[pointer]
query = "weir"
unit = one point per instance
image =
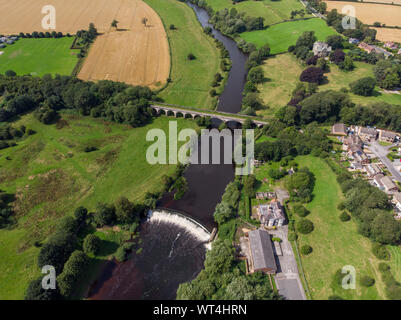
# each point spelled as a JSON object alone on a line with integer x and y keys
{"x": 192, "y": 226}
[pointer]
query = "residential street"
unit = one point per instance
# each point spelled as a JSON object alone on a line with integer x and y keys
{"x": 287, "y": 278}
{"x": 381, "y": 152}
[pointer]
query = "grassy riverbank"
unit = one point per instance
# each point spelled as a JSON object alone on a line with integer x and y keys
{"x": 190, "y": 79}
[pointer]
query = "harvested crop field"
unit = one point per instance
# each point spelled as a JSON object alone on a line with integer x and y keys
{"x": 135, "y": 54}
{"x": 387, "y": 34}
{"x": 370, "y": 13}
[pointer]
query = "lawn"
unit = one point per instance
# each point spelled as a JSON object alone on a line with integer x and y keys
{"x": 335, "y": 243}
{"x": 272, "y": 11}
{"x": 282, "y": 73}
{"x": 52, "y": 175}
{"x": 191, "y": 79}
{"x": 39, "y": 56}
{"x": 280, "y": 36}
{"x": 338, "y": 79}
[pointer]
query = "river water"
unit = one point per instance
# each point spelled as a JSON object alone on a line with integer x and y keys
{"x": 170, "y": 252}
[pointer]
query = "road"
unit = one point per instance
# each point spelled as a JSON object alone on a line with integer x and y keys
{"x": 287, "y": 279}
{"x": 381, "y": 152}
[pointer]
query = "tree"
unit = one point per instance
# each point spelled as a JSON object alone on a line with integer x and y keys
{"x": 385, "y": 229}
{"x": 337, "y": 56}
{"x": 81, "y": 214}
{"x": 35, "y": 291}
{"x": 114, "y": 24}
{"x": 256, "y": 75}
{"x": 191, "y": 56}
{"x": 91, "y": 244}
{"x": 223, "y": 212}
{"x": 125, "y": 210}
{"x": 307, "y": 39}
{"x": 312, "y": 75}
{"x": 220, "y": 258}
{"x": 335, "y": 41}
{"x": 306, "y": 249}
{"x": 144, "y": 21}
{"x": 304, "y": 226}
{"x": 104, "y": 215}
{"x": 363, "y": 87}
{"x": 249, "y": 185}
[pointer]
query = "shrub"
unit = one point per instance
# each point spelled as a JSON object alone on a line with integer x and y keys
{"x": 123, "y": 252}
{"x": 367, "y": 281}
{"x": 383, "y": 267}
{"x": 91, "y": 244}
{"x": 256, "y": 75}
{"x": 191, "y": 56}
{"x": 344, "y": 216}
{"x": 380, "y": 251}
{"x": 10, "y": 73}
{"x": 301, "y": 211}
{"x": 306, "y": 249}
{"x": 276, "y": 239}
{"x": 304, "y": 226}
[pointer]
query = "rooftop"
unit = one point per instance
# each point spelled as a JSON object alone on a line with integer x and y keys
{"x": 261, "y": 250}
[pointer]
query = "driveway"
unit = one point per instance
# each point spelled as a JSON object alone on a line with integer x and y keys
{"x": 381, "y": 152}
{"x": 287, "y": 278}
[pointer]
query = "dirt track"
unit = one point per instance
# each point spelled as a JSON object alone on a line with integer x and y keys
{"x": 136, "y": 55}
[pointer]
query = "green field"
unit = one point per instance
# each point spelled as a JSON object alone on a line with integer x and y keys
{"x": 52, "y": 175}
{"x": 191, "y": 80}
{"x": 338, "y": 79}
{"x": 283, "y": 71}
{"x": 39, "y": 56}
{"x": 272, "y": 11}
{"x": 280, "y": 36}
{"x": 335, "y": 243}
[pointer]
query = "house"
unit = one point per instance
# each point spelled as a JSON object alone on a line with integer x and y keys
{"x": 366, "y": 47}
{"x": 321, "y": 49}
{"x": 387, "y": 136}
{"x": 352, "y": 142}
{"x": 367, "y": 133}
{"x": 397, "y": 200}
{"x": 2, "y": 45}
{"x": 390, "y": 45}
{"x": 360, "y": 157}
{"x": 271, "y": 214}
{"x": 10, "y": 42}
{"x": 372, "y": 170}
{"x": 388, "y": 184}
{"x": 378, "y": 181}
{"x": 356, "y": 166}
{"x": 261, "y": 255}
{"x": 339, "y": 129}
{"x": 353, "y": 40}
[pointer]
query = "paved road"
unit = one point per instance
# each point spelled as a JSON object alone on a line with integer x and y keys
{"x": 287, "y": 278}
{"x": 381, "y": 152}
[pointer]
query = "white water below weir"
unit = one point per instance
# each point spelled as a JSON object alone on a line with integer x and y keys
{"x": 187, "y": 223}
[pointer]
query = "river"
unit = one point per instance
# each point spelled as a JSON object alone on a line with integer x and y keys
{"x": 172, "y": 253}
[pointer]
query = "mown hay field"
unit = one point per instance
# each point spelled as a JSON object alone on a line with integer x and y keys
{"x": 370, "y": 12}
{"x": 137, "y": 54}
{"x": 387, "y": 34}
